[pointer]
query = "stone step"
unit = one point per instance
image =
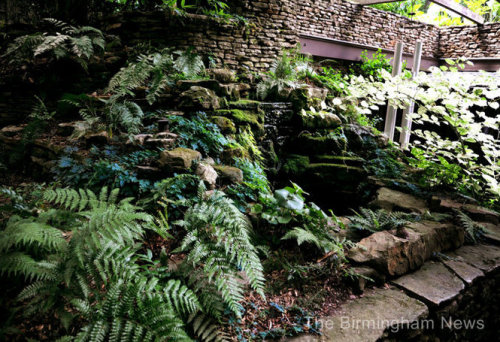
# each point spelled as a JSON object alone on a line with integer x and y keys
{"x": 348, "y": 161}
{"x": 366, "y": 319}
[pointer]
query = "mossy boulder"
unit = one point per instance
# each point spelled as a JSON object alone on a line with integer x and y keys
{"x": 229, "y": 174}
{"x": 228, "y": 155}
{"x": 199, "y": 98}
{"x": 307, "y": 144}
{"x": 245, "y": 117}
{"x": 296, "y": 164}
{"x": 226, "y": 125}
{"x": 245, "y": 104}
{"x": 179, "y": 159}
{"x": 306, "y": 97}
{"x": 320, "y": 120}
{"x": 184, "y": 85}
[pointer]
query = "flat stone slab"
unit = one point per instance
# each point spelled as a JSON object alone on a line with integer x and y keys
{"x": 434, "y": 283}
{"x": 484, "y": 257}
{"x": 392, "y": 200}
{"x": 366, "y": 319}
{"x": 465, "y": 271}
{"x": 493, "y": 232}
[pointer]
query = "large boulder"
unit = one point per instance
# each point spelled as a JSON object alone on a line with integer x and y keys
{"x": 392, "y": 200}
{"x": 223, "y": 75}
{"x": 179, "y": 159}
{"x": 320, "y": 120}
{"x": 199, "y": 98}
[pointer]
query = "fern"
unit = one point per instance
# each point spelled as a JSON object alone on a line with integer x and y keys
{"x": 474, "y": 232}
{"x": 218, "y": 238}
{"x": 156, "y": 71}
{"x": 78, "y": 43}
{"x": 376, "y": 221}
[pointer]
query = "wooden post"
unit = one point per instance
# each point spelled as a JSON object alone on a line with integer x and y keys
{"x": 390, "y": 117}
{"x": 404, "y": 138}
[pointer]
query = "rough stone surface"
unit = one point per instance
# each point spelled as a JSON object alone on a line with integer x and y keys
{"x": 229, "y": 174}
{"x": 434, "y": 283}
{"x": 493, "y": 233}
{"x": 386, "y": 308}
{"x": 465, "y": 271}
{"x": 484, "y": 257}
{"x": 393, "y": 200}
{"x": 199, "y": 98}
{"x": 438, "y": 236}
{"x": 207, "y": 174}
{"x": 179, "y": 159}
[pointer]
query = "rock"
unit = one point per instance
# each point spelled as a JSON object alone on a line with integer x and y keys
{"x": 97, "y": 139}
{"x": 179, "y": 159}
{"x": 223, "y": 75}
{"x": 477, "y": 213}
{"x": 228, "y": 155}
{"x": 245, "y": 104}
{"x": 229, "y": 174}
{"x": 140, "y": 139}
{"x": 149, "y": 172}
{"x": 465, "y": 271}
{"x": 434, "y": 283}
{"x": 320, "y": 120}
{"x": 366, "y": 319}
{"x": 493, "y": 232}
{"x": 225, "y": 124}
{"x": 392, "y": 200}
{"x": 365, "y": 275}
{"x": 245, "y": 117}
{"x": 207, "y": 174}
{"x": 199, "y": 98}
{"x": 162, "y": 143}
{"x": 12, "y": 130}
{"x": 396, "y": 256}
{"x": 296, "y": 164}
{"x": 213, "y": 85}
{"x": 390, "y": 254}
{"x": 484, "y": 257}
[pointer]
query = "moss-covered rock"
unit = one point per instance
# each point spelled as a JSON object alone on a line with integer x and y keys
{"x": 226, "y": 125}
{"x": 296, "y": 164}
{"x": 320, "y": 120}
{"x": 199, "y": 98}
{"x": 245, "y": 117}
{"x": 331, "y": 159}
{"x": 229, "y": 174}
{"x": 229, "y": 154}
{"x": 179, "y": 159}
{"x": 223, "y": 75}
{"x": 308, "y": 144}
{"x": 245, "y": 104}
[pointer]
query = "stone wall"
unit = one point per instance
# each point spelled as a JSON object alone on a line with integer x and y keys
{"x": 470, "y": 41}
{"x": 342, "y": 20}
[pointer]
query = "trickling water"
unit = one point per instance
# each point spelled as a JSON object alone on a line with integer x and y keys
{"x": 277, "y": 116}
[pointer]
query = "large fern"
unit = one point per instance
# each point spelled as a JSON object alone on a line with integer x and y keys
{"x": 376, "y": 221}
{"x": 219, "y": 246}
{"x": 81, "y": 260}
{"x": 474, "y": 232}
{"x": 156, "y": 71}
{"x": 78, "y": 43}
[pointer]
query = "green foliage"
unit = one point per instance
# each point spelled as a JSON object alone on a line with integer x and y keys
{"x": 474, "y": 232}
{"x": 331, "y": 79}
{"x": 199, "y": 133}
{"x": 81, "y": 260}
{"x": 156, "y": 71}
{"x": 254, "y": 183}
{"x": 285, "y": 74}
{"x": 373, "y": 66}
{"x": 219, "y": 246}
{"x": 79, "y": 43}
{"x": 304, "y": 222}
{"x": 104, "y": 167}
{"x": 379, "y": 220}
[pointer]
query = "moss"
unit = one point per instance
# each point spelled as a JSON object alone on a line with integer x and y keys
{"x": 335, "y": 173}
{"x": 353, "y": 161}
{"x": 242, "y": 117}
{"x": 244, "y": 104}
{"x": 296, "y": 164}
{"x": 226, "y": 125}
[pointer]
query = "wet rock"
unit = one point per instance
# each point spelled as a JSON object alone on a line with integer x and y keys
{"x": 383, "y": 309}
{"x": 434, "y": 283}
{"x": 207, "y": 173}
{"x": 199, "y": 98}
{"x": 179, "y": 159}
{"x": 392, "y": 200}
{"x": 229, "y": 174}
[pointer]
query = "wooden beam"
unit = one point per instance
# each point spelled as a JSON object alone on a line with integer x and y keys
{"x": 448, "y": 4}
{"x": 460, "y": 10}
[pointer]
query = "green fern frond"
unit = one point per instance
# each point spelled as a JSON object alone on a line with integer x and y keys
{"x": 474, "y": 232}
